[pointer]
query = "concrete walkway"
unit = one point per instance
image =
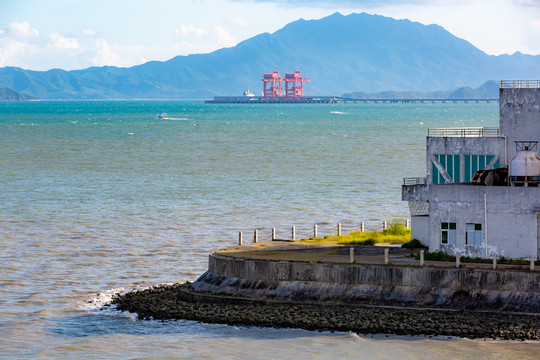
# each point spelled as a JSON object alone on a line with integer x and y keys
{"x": 332, "y": 253}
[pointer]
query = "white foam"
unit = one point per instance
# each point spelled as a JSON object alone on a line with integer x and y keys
{"x": 100, "y": 300}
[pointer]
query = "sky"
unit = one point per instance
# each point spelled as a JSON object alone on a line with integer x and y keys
{"x": 77, "y": 34}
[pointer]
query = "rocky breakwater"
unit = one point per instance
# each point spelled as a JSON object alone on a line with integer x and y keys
{"x": 279, "y": 289}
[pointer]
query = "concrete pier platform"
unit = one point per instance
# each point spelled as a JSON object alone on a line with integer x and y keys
{"x": 299, "y": 272}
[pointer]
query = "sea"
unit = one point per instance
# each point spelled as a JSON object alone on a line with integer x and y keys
{"x": 101, "y": 197}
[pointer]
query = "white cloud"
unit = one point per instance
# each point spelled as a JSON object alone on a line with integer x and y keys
{"x": 10, "y": 50}
{"x": 88, "y": 32}
{"x": 223, "y": 37}
{"x": 60, "y": 41}
{"x": 104, "y": 54}
{"x": 238, "y": 22}
{"x": 21, "y": 32}
{"x": 190, "y": 29}
{"x": 17, "y": 41}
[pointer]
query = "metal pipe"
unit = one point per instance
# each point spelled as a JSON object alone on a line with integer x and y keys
{"x": 486, "y": 222}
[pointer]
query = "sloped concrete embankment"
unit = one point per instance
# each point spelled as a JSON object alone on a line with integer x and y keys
{"x": 368, "y": 284}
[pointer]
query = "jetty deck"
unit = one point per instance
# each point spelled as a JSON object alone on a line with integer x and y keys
{"x": 341, "y": 254}
{"x": 334, "y": 100}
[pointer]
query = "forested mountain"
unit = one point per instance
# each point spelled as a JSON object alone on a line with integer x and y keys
{"x": 341, "y": 54}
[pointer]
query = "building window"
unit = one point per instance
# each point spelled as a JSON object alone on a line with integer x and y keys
{"x": 448, "y": 233}
{"x": 450, "y": 163}
{"x": 473, "y": 234}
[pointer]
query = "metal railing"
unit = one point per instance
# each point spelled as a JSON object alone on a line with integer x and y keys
{"x": 463, "y": 132}
{"x": 414, "y": 181}
{"x": 520, "y": 84}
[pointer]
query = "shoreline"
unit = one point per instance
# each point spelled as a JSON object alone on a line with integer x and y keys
{"x": 168, "y": 302}
{"x": 319, "y": 288}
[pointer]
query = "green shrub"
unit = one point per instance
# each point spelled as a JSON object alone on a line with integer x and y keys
{"x": 414, "y": 244}
{"x": 396, "y": 226}
{"x": 436, "y": 256}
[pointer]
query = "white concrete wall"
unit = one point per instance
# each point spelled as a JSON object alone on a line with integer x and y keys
{"x": 512, "y": 218}
{"x": 420, "y": 229}
{"x": 414, "y": 193}
{"x": 519, "y": 116}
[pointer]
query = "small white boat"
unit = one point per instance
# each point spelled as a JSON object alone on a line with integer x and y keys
{"x": 162, "y": 116}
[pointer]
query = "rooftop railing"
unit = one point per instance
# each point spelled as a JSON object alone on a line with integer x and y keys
{"x": 463, "y": 132}
{"x": 520, "y": 84}
{"x": 414, "y": 181}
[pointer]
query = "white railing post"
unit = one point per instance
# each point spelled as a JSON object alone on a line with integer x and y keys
{"x": 384, "y": 225}
{"x": 315, "y": 231}
{"x": 339, "y": 229}
{"x": 351, "y": 255}
{"x": 239, "y": 238}
{"x": 362, "y": 226}
{"x": 421, "y": 257}
{"x": 494, "y": 261}
{"x": 532, "y": 263}
{"x": 256, "y": 236}
{"x": 386, "y": 256}
{"x": 458, "y": 258}
{"x": 293, "y": 233}
{"x": 273, "y": 233}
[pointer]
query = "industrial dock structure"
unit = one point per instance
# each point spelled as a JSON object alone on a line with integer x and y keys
{"x": 481, "y": 196}
{"x": 273, "y": 93}
{"x": 293, "y": 93}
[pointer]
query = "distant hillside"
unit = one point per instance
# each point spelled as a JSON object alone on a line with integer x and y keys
{"x": 7, "y": 94}
{"x": 341, "y": 54}
{"x": 490, "y": 90}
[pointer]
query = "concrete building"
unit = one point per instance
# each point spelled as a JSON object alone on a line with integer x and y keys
{"x": 480, "y": 195}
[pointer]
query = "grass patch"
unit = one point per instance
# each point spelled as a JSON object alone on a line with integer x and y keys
{"x": 364, "y": 238}
{"x": 396, "y": 233}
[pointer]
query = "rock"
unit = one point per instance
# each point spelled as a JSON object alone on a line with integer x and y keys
{"x": 164, "y": 302}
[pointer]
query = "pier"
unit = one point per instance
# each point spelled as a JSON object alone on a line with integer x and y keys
{"x": 421, "y": 101}
{"x": 333, "y": 100}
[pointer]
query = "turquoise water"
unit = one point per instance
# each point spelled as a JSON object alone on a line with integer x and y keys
{"x": 98, "y": 197}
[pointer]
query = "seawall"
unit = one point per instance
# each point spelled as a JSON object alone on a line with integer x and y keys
{"x": 508, "y": 290}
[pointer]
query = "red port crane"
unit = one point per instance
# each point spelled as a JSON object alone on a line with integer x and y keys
{"x": 294, "y": 85}
{"x": 272, "y": 84}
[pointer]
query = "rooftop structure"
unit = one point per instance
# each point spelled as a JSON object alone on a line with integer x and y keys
{"x": 480, "y": 196}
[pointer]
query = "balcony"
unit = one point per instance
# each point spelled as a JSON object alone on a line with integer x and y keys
{"x": 414, "y": 181}
{"x": 414, "y": 189}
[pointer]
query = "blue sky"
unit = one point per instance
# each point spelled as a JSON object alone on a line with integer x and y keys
{"x": 76, "y": 34}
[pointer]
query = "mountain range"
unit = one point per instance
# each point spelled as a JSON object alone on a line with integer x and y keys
{"x": 341, "y": 54}
{"x": 489, "y": 90}
{"x": 7, "y": 94}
